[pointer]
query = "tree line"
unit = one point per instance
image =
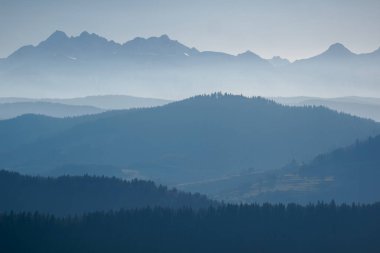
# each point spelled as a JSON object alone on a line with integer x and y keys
{"x": 263, "y": 228}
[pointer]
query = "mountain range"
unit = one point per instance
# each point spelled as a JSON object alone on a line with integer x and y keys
{"x": 162, "y": 67}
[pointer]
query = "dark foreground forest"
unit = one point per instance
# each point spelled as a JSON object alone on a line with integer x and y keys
{"x": 228, "y": 228}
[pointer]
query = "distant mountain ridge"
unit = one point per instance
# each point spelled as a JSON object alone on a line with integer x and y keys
{"x": 365, "y": 107}
{"x": 70, "y": 107}
{"x": 11, "y": 110}
{"x": 162, "y": 67}
{"x": 59, "y": 42}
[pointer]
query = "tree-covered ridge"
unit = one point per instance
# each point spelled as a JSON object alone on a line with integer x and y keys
{"x": 228, "y": 228}
{"x": 75, "y": 195}
{"x": 349, "y": 174}
{"x": 360, "y": 158}
{"x": 203, "y": 137}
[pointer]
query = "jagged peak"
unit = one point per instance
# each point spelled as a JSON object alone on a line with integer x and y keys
{"x": 86, "y": 34}
{"x": 157, "y": 45}
{"x": 163, "y": 37}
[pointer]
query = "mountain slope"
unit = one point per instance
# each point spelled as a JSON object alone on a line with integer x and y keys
{"x": 30, "y": 128}
{"x": 354, "y": 172}
{"x": 350, "y": 174}
{"x": 77, "y": 195}
{"x": 195, "y": 139}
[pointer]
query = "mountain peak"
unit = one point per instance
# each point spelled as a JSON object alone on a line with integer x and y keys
{"x": 249, "y": 55}
{"x": 338, "y": 49}
{"x": 57, "y": 36}
{"x": 55, "y": 40}
{"x": 337, "y": 46}
{"x": 252, "y": 58}
{"x": 248, "y": 52}
{"x": 84, "y": 34}
{"x": 164, "y": 37}
{"x": 156, "y": 46}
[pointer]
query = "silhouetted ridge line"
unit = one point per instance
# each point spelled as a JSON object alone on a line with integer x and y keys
{"x": 79, "y": 194}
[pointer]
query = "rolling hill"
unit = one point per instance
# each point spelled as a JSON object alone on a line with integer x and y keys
{"x": 200, "y": 138}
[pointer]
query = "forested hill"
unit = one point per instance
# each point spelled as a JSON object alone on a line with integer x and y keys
{"x": 350, "y": 174}
{"x": 354, "y": 172}
{"x": 76, "y": 195}
{"x": 200, "y": 138}
{"x": 326, "y": 228}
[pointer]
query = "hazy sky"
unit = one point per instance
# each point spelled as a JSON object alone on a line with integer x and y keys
{"x": 293, "y": 29}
